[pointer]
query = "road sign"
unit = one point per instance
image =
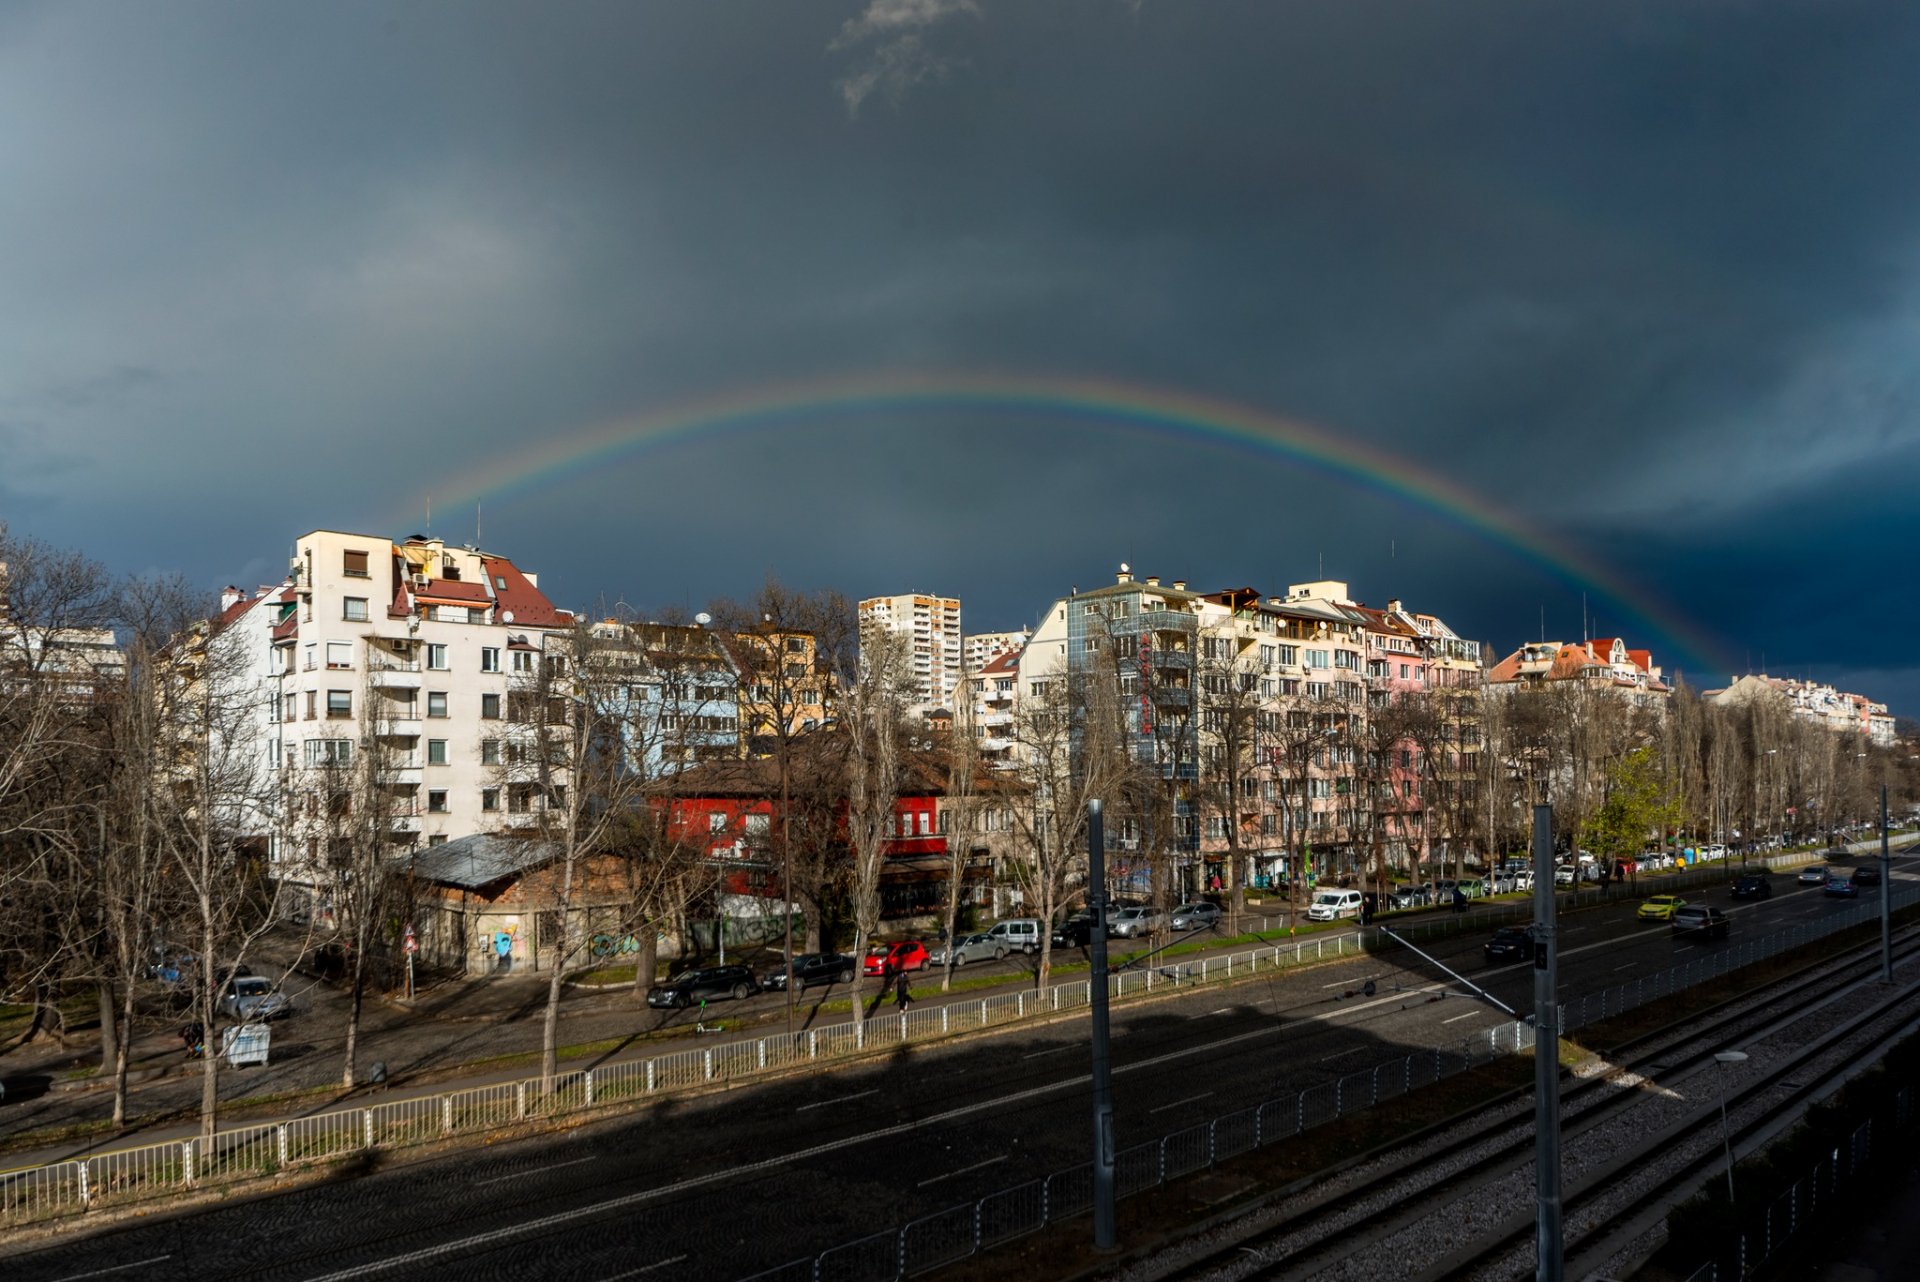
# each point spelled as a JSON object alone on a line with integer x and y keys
{"x": 411, "y": 944}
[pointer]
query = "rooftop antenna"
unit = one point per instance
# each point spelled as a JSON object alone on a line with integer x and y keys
{"x": 1323, "y": 565}
{"x": 1543, "y": 623}
{"x": 476, "y": 523}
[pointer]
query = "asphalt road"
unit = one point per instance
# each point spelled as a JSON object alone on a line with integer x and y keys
{"x": 723, "y": 1186}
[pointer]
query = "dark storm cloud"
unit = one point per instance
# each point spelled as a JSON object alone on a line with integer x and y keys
{"x": 1645, "y": 273}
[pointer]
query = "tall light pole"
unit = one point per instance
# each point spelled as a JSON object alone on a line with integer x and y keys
{"x": 1726, "y": 1060}
{"x": 1106, "y": 1236}
{"x": 1886, "y": 894}
{"x": 1549, "y": 1246}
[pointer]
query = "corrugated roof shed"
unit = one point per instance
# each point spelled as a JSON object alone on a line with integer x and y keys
{"x": 481, "y": 860}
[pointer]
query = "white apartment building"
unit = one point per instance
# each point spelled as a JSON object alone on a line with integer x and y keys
{"x": 412, "y": 650}
{"x": 931, "y": 628}
{"x": 981, "y": 648}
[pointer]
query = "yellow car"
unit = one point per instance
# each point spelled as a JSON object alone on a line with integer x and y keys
{"x": 1660, "y": 908}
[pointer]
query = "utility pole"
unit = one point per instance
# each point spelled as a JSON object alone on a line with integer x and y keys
{"x": 1548, "y": 1244}
{"x": 1106, "y": 1236}
{"x": 1886, "y": 894}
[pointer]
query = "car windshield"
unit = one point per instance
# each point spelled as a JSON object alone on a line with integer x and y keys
{"x": 251, "y": 987}
{"x": 1327, "y": 897}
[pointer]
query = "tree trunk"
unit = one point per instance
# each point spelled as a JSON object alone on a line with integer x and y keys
{"x": 647, "y": 964}
{"x": 356, "y": 992}
{"x": 123, "y": 1053}
{"x": 109, "y": 1032}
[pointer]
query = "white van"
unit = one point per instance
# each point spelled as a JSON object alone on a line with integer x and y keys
{"x": 1018, "y": 934}
{"x": 1330, "y": 905}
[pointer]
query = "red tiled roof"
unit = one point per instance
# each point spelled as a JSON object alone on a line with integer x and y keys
{"x": 512, "y": 592}
{"x": 1005, "y": 661}
{"x": 457, "y": 591}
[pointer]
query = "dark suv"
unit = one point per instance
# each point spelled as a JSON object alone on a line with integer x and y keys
{"x": 1699, "y": 921}
{"x": 1075, "y": 932}
{"x": 1866, "y": 875}
{"x": 810, "y": 969}
{"x": 1510, "y": 943}
{"x": 1754, "y": 885}
{"x": 711, "y": 982}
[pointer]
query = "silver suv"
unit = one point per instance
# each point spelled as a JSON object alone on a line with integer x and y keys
{"x": 1135, "y": 923}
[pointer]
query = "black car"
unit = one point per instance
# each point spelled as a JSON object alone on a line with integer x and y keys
{"x": 1510, "y": 943}
{"x": 810, "y": 969}
{"x": 1699, "y": 921}
{"x": 703, "y": 985}
{"x": 1075, "y": 932}
{"x": 1753, "y": 886}
{"x": 1866, "y": 875}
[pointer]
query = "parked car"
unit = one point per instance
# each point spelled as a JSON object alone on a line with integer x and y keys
{"x": 1841, "y": 888}
{"x": 891, "y": 959}
{"x": 1563, "y": 875}
{"x": 1661, "y": 908}
{"x": 1866, "y": 875}
{"x": 1473, "y": 887}
{"x": 1019, "y": 934}
{"x": 810, "y": 969}
{"x": 1813, "y": 875}
{"x": 1075, "y": 932}
{"x": 1755, "y": 885}
{"x": 972, "y": 948}
{"x": 1700, "y": 921}
{"x": 1134, "y": 923}
{"x": 1331, "y": 905}
{"x": 1715, "y": 851}
{"x": 251, "y": 998}
{"x": 1510, "y": 943}
{"x": 1200, "y": 916}
{"x": 706, "y": 984}
{"x": 1420, "y": 896}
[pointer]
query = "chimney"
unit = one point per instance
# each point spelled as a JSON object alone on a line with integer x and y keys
{"x": 1393, "y": 607}
{"x": 1179, "y": 585}
{"x": 1123, "y": 577}
{"x": 1153, "y": 580}
{"x": 230, "y": 596}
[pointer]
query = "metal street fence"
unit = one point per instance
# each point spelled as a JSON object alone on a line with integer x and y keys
{"x": 941, "y": 1238}
{"x": 1804, "y": 1204}
{"x": 249, "y": 1152}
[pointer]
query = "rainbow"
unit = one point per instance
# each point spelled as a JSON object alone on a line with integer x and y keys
{"x": 1105, "y": 403}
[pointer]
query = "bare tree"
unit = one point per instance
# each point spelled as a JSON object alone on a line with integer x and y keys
{"x": 873, "y": 726}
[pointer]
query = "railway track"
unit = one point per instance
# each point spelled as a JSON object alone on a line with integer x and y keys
{"x": 1457, "y": 1203}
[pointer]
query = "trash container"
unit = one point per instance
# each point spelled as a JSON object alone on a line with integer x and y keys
{"x": 245, "y": 1044}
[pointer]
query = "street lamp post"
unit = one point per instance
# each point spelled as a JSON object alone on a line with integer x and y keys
{"x": 1727, "y": 1059}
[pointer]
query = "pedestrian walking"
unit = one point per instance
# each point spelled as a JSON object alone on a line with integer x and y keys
{"x": 901, "y": 997}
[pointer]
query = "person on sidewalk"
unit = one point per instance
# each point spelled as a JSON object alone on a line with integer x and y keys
{"x": 901, "y": 997}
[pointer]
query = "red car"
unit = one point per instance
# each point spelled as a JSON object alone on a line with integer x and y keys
{"x": 891, "y": 959}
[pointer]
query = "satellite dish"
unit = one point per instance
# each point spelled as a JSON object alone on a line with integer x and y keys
{"x": 506, "y": 616}
{"x": 703, "y": 618}
{"x": 1125, "y": 568}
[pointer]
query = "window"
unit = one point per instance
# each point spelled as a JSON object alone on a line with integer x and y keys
{"x": 522, "y": 661}
{"x": 436, "y": 752}
{"x": 312, "y": 699}
{"x": 1289, "y": 655}
{"x": 436, "y": 801}
{"x": 436, "y": 703}
{"x": 500, "y": 582}
{"x": 926, "y": 823}
{"x": 339, "y": 655}
{"x": 490, "y": 707}
{"x": 329, "y": 752}
{"x": 490, "y": 658}
{"x": 489, "y": 752}
{"x": 1316, "y": 658}
{"x": 356, "y": 565}
{"x": 757, "y": 825}
{"x": 436, "y": 839}
{"x": 1406, "y": 758}
{"x": 307, "y": 660}
{"x": 490, "y": 799}
{"x": 354, "y": 609}
{"x": 716, "y": 822}
{"x": 1403, "y": 672}
{"x": 290, "y": 707}
{"x": 520, "y": 798}
{"x": 339, "y": 703}
{"x": 437, "y": 657}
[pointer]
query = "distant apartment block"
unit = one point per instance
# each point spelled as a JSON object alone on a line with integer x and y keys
{"x": 981, "y": 648}
{"x": 1816, "y": 702}
{"x": 930, "y": 627}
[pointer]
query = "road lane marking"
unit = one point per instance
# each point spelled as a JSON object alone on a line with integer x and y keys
{"x": 1224, "y": 1010}
{"x": 495, "y": 1179}
{"x": 1628, "y": 966}
{"x": 1051, "y": 1050}
{"x": 118, "y": 1268}
{"x": 962, "y": 1171}
{"x": 1191, "y": 1099}
{"x": 1457, "y": 1018}
{"x": 839, "y": 1099}
{"x": 645, "y": 1268}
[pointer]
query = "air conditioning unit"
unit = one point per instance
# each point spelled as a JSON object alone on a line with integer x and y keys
{"x": 421, "y": 582}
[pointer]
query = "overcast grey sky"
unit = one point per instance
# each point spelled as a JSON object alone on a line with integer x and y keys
{"x": 1645, "y": 276}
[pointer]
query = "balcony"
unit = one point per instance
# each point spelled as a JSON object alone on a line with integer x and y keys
{"x": 1164, "y": 659}
{"x": 394, "y": 674}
